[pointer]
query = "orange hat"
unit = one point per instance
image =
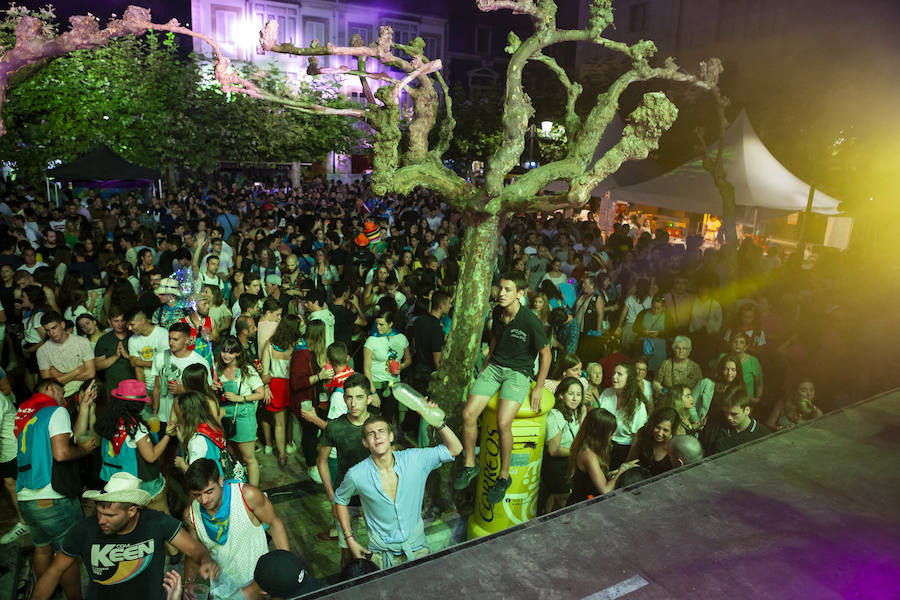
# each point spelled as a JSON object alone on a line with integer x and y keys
{"x": 362, "y": 241}
{"x": 370, "y": 227}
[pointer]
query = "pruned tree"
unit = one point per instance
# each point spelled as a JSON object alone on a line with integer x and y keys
{"x": 483, "y": 207}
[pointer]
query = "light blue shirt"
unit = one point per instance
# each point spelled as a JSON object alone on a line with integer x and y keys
{"x": 393, "y": 520}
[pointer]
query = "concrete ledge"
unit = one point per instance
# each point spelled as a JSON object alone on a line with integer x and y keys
{"x": 807, "y": 513}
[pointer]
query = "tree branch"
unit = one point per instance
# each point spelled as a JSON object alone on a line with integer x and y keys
{"x": 448, "y": 124}
{"x": 573, "y": 91}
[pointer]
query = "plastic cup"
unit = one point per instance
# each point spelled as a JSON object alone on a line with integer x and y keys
{"x": 196, "y": 591}
{"x": 153, "y": 423}
{"x": 307, "y": 405}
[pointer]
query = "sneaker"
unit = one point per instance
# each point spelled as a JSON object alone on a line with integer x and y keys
{"x": 290, "y": 448}
{"x": 314, "y": 474}
{"x": 498, "y": 490}
{"x": 15, "y": 533}
{"x": 465, "y": 477}
{"x": 268, "y": 450}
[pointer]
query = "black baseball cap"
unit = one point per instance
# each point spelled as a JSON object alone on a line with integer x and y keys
{"x": 282, "y": 574}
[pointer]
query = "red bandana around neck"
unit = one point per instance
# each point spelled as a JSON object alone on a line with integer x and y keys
{"x": 120, "y": 437}
{"x": 216, "y": 435}
{"x": 29, "y": 408}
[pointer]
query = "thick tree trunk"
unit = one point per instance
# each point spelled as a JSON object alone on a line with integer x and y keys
{"x": 479, "y": 258}
{"x": 450, "y": 384}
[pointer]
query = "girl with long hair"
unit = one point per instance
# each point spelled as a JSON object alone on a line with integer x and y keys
{"x": 33, "y": 303}
{"x": 126, "y": 443}
{"x": 589, "y": 457}
{"x": 568, "y": 365}
{"x": 385, "y": 355}
{"x": 241, "y": 388}
{"x": 309, "y": 370}
{"x": 649, "y": 447}
{"x": 563, "y": 422}
{"x": 680, "y": 399}
{"x": 203, "y": 436}
{"x": 625, "y": 400}
{"x": 799, "y": 406}
{"x": 729, "y": 373}
{"x": 276, "y": 358}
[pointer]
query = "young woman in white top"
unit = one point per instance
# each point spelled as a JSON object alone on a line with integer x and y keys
{"x": 563, "y": 422}
{"x": 625, "y": 400}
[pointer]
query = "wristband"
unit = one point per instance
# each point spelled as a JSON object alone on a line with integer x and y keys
{"x": 347, "y": 535}
{"x": 444, "y": 424}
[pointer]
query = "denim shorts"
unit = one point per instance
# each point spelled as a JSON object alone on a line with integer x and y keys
{"x": 512, "y": 384}
{"x": 50, "y": 520}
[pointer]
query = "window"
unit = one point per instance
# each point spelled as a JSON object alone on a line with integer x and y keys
{"x": 482, "y": 82}
{"x": 362, "y": 30}
{"x": 404, "y": 32}
{"x": 226, "y": 30}
{"x": 483, "y": 40}
{"x": 637, "y": 18}
{"x": 315, "y": 29}
{"x": 285, "y": 15}
{"x": 433, "y": 48}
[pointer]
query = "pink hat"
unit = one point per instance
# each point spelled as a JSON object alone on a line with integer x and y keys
{"x": 131, "y": 389}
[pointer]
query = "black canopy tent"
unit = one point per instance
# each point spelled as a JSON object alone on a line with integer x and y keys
{"x": 102, "y": 167}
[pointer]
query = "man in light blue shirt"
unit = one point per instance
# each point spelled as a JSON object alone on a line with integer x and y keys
{"x": 390, "y": 486}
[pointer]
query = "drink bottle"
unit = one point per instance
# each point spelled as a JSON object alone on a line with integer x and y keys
{"x": 412, "y": 399}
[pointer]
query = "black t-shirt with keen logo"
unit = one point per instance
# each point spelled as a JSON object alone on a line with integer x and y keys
{"x": 124, "y": 566}
{"x": 517, "y": 343}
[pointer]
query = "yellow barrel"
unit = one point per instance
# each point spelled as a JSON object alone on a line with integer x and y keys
{"x": 520, "y": 503}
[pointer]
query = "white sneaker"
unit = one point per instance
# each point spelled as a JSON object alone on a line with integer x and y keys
{"x": 314, "y": 474}
{"x": 268, "y": 450}
{"x": 15, "y": 533}
{"x": 290, "y": 448}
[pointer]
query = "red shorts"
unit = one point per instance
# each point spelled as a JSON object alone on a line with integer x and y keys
{"x": 281, "y": 394}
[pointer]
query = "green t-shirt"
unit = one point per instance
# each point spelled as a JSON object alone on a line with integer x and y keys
{"x": 518, "y": 342}
{"x": 347, "y": 439}
{"x": 119, "y": 370}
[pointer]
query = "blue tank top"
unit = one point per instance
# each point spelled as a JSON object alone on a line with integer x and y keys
{"x": 34, "y": 455}
{"x": 128, "y": 460}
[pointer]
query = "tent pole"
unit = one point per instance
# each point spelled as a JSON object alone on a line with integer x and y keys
{"x": 806, "y": 215}
{"x": 47, "y": 181}
{"x": 755, "y": 221}
{"x": 159, "y": 181}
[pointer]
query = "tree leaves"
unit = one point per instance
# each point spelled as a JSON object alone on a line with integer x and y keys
{"x": 143, "y": 100}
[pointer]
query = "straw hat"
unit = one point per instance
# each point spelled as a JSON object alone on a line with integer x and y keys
{"x": 168, "y": 286}
{"x": 121, "y": 487}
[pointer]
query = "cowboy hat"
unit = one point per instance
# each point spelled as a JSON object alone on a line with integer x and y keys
{"x": 131, "y": 389}
{"x": 121, "y": 487}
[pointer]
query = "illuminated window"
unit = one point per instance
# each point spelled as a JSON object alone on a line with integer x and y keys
{"x": 363, "y": 31}
{"x": 284, "y": 14}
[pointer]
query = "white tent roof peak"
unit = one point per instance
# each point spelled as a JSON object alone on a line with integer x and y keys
{"x": 759, "y": 180}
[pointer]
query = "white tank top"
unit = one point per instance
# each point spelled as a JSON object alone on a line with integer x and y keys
{"x": 238, "y": 555}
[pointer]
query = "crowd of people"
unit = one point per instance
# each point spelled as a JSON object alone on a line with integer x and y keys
{"x": 154, "y": 349}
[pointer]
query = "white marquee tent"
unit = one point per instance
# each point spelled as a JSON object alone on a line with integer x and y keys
{"x": 759, "y": 180}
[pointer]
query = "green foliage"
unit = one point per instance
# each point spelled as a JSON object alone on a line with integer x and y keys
{"x": 139, "y": 97}
{"x": 11, "y": 16}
